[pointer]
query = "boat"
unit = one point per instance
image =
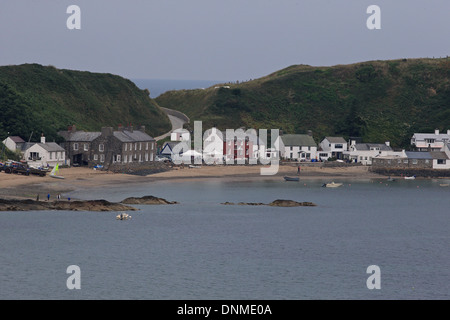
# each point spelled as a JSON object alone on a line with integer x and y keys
{"x": 54, "y": 171}
{"x": 332, "y": 185}
{"x": 444, "y": 184}
{"x": 194, "y": 167}
{"x": 410, "y": 178}
{"x": 123, "y": 216}
{"x": 391, "y": 179}
{"x": 292, "y": 178}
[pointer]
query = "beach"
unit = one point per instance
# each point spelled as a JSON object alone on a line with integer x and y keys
{"x": 75, "y": 178}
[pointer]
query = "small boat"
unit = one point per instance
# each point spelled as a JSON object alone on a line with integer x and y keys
{"x": 444, "y": 184}
{"x": 53, "y": 173}
{"x": 123, "y": 216}
{"x": 194, "y": 167}
{"x": 292, "y": 178}
{"x": 410, "y": 178}
{"x": 391, "y": 179}
{"x": 332, "y": 185}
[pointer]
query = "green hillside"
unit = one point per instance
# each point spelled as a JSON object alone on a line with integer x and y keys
{"x": 39, "y": 99}
{"x": 377, "y": 100}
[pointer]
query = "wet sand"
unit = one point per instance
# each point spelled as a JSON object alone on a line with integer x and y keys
{"x": 18, "y": 186}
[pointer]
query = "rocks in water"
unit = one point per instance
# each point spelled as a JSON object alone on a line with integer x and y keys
{"x": 87, "y": 205}
{"x": 147, "y": 200}
{"x": 276, "y": 203}
{"x": 290, "y": 203}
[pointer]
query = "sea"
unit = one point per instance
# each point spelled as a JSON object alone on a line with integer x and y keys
{"x": 367, "y": 240}
{"x": 159, "y": 86}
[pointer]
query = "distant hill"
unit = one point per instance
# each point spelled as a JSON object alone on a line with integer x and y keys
{"x": 376, "y": 100}
{"x": 39, "y": 99}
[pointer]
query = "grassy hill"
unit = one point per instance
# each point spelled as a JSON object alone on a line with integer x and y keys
{"x": 376, "y": 100}
{"x": 39, "y": 99}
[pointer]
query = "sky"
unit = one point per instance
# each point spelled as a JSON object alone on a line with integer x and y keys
{"x": 233, "y": 40}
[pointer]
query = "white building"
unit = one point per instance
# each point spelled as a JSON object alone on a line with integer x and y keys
{"x": 45, "y": 154}
{"x": 180, "y": 135}
{"x": 332, "y": 147}
{"x": 430, "y": 141}
{"x": 14, "y": 143}
{"x": 300, "y": 147}
{"x": 365, "y": 152}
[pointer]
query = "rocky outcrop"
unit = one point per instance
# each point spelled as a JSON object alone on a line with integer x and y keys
{"x": 86, "y": 205}
{"x": 276, "y": 203}
{"x": 147, "y": 200}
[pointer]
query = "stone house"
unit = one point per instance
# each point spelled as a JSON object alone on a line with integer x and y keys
{"x": 108, "y": 147}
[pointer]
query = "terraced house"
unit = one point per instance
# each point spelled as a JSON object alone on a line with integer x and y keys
{"x": 125, "y": 146}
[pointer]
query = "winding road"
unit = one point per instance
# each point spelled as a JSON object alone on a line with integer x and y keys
{"x": 177, "y": 121}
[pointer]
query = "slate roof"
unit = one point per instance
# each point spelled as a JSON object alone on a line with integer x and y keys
{"x": 368, "y": 146}
{"x": 419, "y": 155}
{"x": 336, "y": 140}
{"x": 128, "y": 136}
{"x": 17, "y": 139}
{"x": 82, "y": 136}
{"x": 292, "y": 140}
{"x": 48, "y": 146}
{"x": 439, "y": 137}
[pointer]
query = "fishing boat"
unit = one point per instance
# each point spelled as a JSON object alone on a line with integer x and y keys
{"x": 332, "y": 185}
{"x": 54, "y": 171}
{"x": 292, "y": 178}
{"x": 410, "y": 178}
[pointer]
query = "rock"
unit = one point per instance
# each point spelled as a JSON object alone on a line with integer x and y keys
{"x": 276, "y": 203}
{"x": 87, "y": 205}
{"x": 290, "y": 203}
{"x": 147, "y": 200}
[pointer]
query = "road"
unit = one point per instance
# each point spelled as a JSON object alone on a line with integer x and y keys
{"x": 177, "y": 123}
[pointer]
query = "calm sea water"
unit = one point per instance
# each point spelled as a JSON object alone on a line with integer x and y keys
{"x": 159, "y": 86}
{"x": 200, "y": 249}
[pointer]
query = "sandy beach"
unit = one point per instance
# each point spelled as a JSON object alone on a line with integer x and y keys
{"x": 18, "y": 186}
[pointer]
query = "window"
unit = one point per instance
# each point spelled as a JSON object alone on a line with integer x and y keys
{"x": 427, "y": 161}
{"x": 125, "y": 160}
{"x": 414, "y": 161}
{"x": 140, "y": 145}
{"x": 441, "y": 161}
{"x": 58, "y": 155}
{"x": 119, "y": 158}
{"x": 429, "y": 140}
{"x": 126, "y": 146}
{"x": 151, "y": 156}
{"x": 339, "y": 146}
{"x": 146, "y": 156}
{"x": 50, "y": 155}
{"x": 101, "y": 147}
{"x": 405, "y": 161}
{"x": 95, "y": 157}
{"x": 75, "y": 146}
{"x": 102, "y": 158}
{"x": 86, "y": 147}
{"x": 135, "y": 147}
{"x": 146, "y": 146}
{"x": 153, "y": 145}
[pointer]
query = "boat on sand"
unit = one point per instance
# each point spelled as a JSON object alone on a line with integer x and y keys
{"x": 332, "y": 185}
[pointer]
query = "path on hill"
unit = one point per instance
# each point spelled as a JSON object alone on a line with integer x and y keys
{"x": 176, "y": 118}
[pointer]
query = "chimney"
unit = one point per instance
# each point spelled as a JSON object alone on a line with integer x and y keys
{"x": 310, "y": 133}
{"x": 107, "y": 131}
{"x": 142, "y": 129}
{"x": 436, "y": 132}
{"x": 42, "y": 139}
{"x": 120, "y": 128}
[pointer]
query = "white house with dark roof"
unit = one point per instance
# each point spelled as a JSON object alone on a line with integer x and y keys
{"x": 332, "y": 147}
{"x": 300, "y": 147}
{"x": 430, "y": 141}
{"x": 14, "y": 143}
{"x": 365, "y": 152}
{"x": 44, "y": 154}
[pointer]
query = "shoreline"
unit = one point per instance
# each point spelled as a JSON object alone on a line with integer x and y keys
{"x": 76, "y": 178}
